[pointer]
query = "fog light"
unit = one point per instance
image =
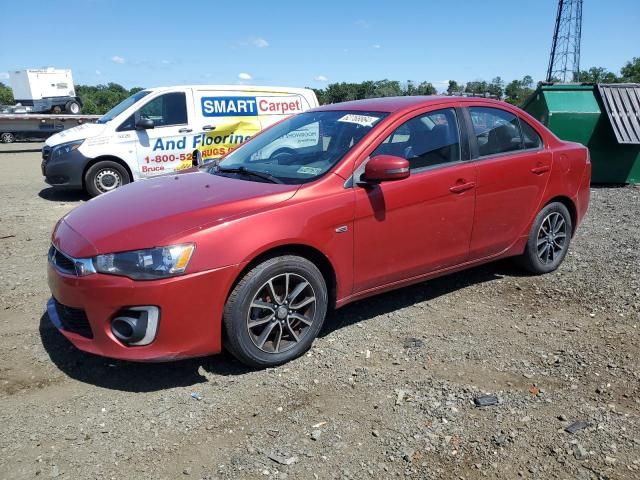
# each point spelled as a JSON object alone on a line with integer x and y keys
{"x": 135, "y": 326}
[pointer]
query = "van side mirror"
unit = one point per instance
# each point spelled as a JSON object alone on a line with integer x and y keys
{"x": 385, "y": 168}
{"x": 197, "y": 158}
{"x": 144, "y": 124}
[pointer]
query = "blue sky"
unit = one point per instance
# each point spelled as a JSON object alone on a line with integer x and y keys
{"x": 152, "y": 43}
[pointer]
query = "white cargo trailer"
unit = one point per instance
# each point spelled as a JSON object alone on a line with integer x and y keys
{"x": 42, "y": 90}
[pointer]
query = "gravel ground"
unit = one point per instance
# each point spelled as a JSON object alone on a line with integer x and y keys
{"x": 387, "y": 391}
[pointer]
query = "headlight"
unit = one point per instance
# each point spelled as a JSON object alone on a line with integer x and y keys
{"x": 149, "y": 264}
{"x": 66, "y": 148}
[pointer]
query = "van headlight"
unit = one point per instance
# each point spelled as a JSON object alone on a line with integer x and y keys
{"x": 148, "y": 264}
{"x": 65, "y": 148}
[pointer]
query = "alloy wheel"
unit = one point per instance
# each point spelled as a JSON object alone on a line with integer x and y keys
{"x": 281, "y": 313}
{"x": 552, "y": 238}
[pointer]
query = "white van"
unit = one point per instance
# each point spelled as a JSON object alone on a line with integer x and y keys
{"x": 156, "y": 131}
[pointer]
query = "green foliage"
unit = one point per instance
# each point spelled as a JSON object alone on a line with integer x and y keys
{"x": 343, "y": 92}
{"x": 454, "y": 88}
{"x": 100, "y": 99}
{"x": 597, "y": 75}
{"x": 518, "y": 90}
{"x": 630, "y": 73}
{"x": 6, "y": 95}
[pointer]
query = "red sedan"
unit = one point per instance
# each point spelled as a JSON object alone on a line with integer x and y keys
{"x": 324, "y": 208}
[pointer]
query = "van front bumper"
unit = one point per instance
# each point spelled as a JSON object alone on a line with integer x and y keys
{"x": 190, "y": 312}
{"x": 66, "y": 171}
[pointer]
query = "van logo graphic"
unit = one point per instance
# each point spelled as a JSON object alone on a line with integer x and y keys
{"x": 229, "y": 106}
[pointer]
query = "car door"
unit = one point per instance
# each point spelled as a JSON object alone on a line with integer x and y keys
{"x": 513, "y": 170}
{"x": 166, "y": 147}
{"x": 423, "y": 223}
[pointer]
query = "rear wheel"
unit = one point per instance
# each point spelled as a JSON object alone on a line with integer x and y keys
{"x": 549, "y": 239}
{"x": 56, "y": 109}
{"x": 275, "y": 312}
{"x": 72, "y": 107}
{"x": 105, "y": 176}
{"x": 8, "y": 137}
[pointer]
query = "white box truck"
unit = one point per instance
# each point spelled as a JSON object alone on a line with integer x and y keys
{"x": 45, "y": 90}
{"x": 156, "y": 130}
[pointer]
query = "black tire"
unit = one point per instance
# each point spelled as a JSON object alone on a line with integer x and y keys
{"x": 295, "y": 336}
{"x": 7, "y": 137}
{"x": 105, "y": 176}
{"x": 72, "y": 107}
{"x": 56, "y": 109}
{"x": 549, "y": 239}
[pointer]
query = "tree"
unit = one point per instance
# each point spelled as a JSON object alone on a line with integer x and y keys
{"x": 517, "y": 91}
{"x": 597, "y": 75}
{"x": 454, "y": 88}
{"x": 495, "y": 88}
{"x": 631, "y": 71}
{"x": 6, "y": 95}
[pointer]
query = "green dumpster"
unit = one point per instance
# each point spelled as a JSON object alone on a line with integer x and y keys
{"x": 604, "y": 117}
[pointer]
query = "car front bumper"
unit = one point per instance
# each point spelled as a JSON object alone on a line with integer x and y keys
{"x": 190, "y": 306}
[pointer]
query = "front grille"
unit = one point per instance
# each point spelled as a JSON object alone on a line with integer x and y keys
{"x": 74, "y": 320}
{"x": 61, "y": 261}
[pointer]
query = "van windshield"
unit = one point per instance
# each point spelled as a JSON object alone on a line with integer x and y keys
{"x": 300, "y": 149}
{"x": 122, "y": 106}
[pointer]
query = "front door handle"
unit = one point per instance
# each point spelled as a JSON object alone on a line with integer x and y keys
{"x": 540, "y": 169}
{"x": 462, "y": 187}
{"x": 208, "y": 128}
{"x": 185, "y": 130}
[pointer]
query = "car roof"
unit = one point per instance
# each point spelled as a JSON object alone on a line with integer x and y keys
{"x": 398, "y": 104}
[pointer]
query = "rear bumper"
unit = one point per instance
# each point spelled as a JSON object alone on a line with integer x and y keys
{"x": 190, "y": 306}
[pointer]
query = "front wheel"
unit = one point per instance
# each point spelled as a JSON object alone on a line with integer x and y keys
{"x": 275, "y": 312}
{"x": 105, "y": 176}
{"x": 7, "y": 137}
{"x": 549, "y": 239}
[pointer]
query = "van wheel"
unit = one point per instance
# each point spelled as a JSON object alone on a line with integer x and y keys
{"x": 105, "y": 176}
{"x": 72, "y": 107}
{"x": 275, "y": 312}
{"x": 7, "y": 137}
{"x": 549, "y": 239}
{"x": 57, "y": 109}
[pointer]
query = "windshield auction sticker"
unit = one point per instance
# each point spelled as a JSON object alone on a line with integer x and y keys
{"x": 363, "y": 120}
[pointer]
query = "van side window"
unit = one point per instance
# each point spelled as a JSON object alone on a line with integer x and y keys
{"x": 166, "y": 110}
{"x": 497, "y": 131}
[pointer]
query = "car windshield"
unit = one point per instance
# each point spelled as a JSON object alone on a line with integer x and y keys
{"x": 122, "y": 106}
{"x": 299, "y": 149}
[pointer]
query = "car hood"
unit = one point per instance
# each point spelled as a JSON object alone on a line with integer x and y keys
{"x": 86, "y": 130}
{"x": 158, "y": 211}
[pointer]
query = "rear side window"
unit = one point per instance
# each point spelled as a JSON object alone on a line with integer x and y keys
{"x": 496, "y": 131}
{"x": 530, "y": 137}
{"x": 425, "y": 141}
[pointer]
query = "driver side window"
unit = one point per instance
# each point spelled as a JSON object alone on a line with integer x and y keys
{"x": 165, "y": 111}
{"x": 425, "y": 141}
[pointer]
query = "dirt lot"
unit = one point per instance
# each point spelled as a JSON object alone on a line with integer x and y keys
{"x": 387, "y": 390}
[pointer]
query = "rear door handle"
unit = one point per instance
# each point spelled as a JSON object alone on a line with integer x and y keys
{"x": 208, "y": 128}
{"x": 540, "y": 169}
{"x": 462, "y": 187}
{"x": 185, "y": 130}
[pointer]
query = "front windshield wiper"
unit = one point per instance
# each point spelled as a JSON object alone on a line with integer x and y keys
{"x": 248, "y": 172}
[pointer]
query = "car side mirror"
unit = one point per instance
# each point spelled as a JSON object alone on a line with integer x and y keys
{"x": 144, "y": 124}
{"x": 385, "y": 168}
